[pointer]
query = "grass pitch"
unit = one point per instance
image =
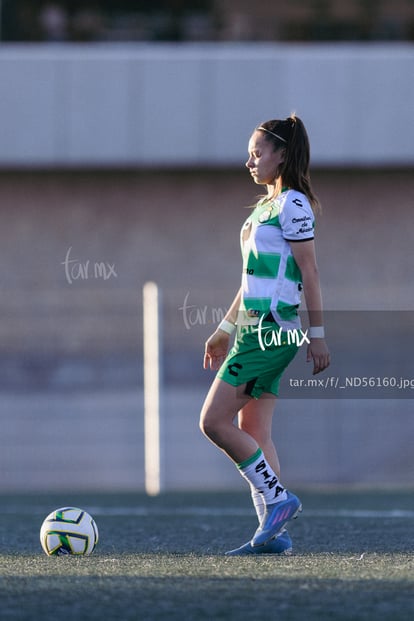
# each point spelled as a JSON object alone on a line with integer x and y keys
{"x": 163, "y": 558}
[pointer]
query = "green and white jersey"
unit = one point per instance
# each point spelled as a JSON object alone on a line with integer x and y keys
{"x": 271, "y": 280}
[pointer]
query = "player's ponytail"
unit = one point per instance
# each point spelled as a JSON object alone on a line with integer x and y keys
{"x": 291, "y": 135}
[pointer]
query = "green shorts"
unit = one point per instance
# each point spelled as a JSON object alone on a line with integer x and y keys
{"x": 258, "y": 363}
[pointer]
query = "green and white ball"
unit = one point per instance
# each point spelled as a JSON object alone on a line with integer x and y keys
{"x": 69, "y": 530}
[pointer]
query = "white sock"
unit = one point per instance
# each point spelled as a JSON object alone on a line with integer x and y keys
{"x": 262, "y": 478}
{"x": 258, "y": 503}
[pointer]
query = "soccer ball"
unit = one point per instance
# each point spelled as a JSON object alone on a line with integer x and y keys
{"x": 68, "y": 531}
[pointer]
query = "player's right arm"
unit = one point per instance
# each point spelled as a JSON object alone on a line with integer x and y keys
{"x": 217, "y": 345}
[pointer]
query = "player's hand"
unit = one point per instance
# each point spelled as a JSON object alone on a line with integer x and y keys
{"x": 216, "y": 349}
{"x": 319, "y": 353}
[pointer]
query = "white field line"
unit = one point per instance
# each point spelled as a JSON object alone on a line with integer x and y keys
{"x": 215, "y": 512}
{"x": 223, "y": 512}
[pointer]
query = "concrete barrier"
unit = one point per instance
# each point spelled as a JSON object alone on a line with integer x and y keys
{"x": 196, "y": 104}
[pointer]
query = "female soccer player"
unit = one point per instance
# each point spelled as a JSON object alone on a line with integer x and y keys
{"x": 278, "y": 251}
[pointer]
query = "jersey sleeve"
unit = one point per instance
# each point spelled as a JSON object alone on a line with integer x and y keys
{"x": 296, "y": 218}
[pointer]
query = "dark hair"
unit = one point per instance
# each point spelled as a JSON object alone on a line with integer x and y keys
{"x": 291, "y": 135}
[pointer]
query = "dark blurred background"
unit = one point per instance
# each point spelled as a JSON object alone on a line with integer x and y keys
{"x": 207, "y": 20}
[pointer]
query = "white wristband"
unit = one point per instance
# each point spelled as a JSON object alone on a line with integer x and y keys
{"x": 227, "y": 326}
{"x": 316, "y": 332}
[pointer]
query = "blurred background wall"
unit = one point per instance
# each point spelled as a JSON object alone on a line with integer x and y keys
{"x": 122, "y": 160}
{"x": 195, "y": 104}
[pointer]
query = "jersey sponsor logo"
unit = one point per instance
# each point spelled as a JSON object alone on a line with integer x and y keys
{"x": 252, "y": 312}
{"x": 305, "y": 222}
{"x": 298, "y": 202}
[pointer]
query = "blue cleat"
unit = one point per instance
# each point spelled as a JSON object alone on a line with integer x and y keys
{"x": 277, "y": 515}
{"x": 280, "y": 545}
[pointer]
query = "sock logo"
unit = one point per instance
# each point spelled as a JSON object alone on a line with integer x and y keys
{"x": 270, "y": 481}
{"x": 279, "y": 490}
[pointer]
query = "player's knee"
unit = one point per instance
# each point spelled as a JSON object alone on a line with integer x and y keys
{"x": 208, "y": 424}
{"x": 204, "y": 424}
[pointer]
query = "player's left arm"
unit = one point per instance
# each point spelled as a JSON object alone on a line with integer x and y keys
{"x": 305, "y": 257}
